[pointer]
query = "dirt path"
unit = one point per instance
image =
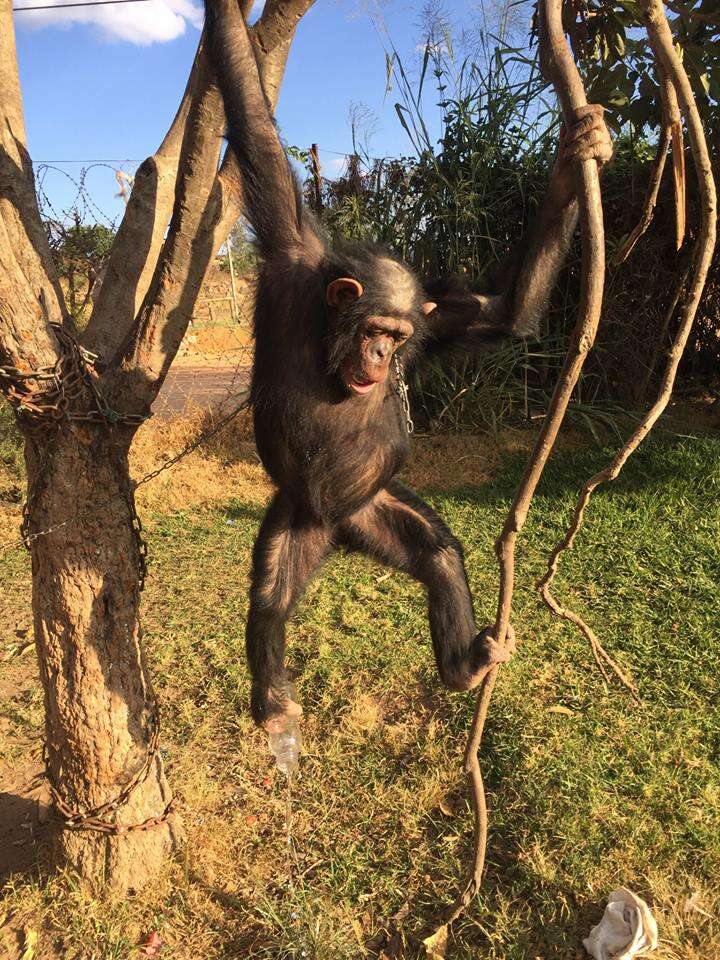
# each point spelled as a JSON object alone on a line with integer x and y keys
{"x": 199, "y": 386}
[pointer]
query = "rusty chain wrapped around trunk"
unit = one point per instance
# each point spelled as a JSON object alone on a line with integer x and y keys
{"x": 68, "y": 392}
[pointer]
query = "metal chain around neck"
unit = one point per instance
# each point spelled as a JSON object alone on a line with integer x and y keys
{"x": 401, "y": 388}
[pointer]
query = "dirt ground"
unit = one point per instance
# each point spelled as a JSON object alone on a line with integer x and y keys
{"x": 200, "y": 386}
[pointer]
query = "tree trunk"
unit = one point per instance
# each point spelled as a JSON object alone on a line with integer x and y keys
{"x": 100, "y": 707}
{"x": 104, "y": 770}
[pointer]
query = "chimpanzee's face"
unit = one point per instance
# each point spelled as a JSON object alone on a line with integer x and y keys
{"x": 368, "y": 326}
{"x": 368, "y": 362}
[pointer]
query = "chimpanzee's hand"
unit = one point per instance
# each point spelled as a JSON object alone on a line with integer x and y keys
{"x": 588, "y": 138}
{"x": 486, "y": 653}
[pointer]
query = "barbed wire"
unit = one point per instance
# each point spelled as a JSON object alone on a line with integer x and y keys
{"x": 82, "y": 202}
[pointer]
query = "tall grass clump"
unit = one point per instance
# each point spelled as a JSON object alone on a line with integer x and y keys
{"x": 454, "y": 206}
{"x": 458, "y": 206}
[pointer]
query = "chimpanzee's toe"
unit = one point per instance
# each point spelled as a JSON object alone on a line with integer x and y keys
{"x": 490, "y": 651}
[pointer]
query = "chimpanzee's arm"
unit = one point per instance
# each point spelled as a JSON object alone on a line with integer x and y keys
{"x": 271, "y": 195}
{"x": 531, "y": 270}
{"x": 467, "y": 321}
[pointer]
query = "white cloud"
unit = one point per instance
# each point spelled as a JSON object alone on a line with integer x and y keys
{"x": 151, "y": 21}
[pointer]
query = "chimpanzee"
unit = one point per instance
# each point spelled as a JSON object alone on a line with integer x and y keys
{"x": 334, "y": 327}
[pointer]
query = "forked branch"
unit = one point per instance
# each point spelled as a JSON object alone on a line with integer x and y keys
{"x": 651, "y": 195}
{"x": 140, "y": 237}
{"x": 559, "y": 65}
{"x": 671, "y": 135}
{"x": 138, "y": 247}
{"x": 207, "y": 204}
{"x": 662, "y": 44}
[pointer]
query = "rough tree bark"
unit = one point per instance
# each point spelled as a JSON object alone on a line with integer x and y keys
{"x": 79, "y": 419}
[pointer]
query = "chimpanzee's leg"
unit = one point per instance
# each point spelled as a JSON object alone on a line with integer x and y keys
{"x": 289, "y": 549}
{"x": 399, "y": 529}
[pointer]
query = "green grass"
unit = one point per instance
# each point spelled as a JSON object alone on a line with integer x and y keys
{"x": 580, "y": 803}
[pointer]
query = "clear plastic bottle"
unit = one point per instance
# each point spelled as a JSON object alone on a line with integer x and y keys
{"x": 285, "y": 742}
{"x": 285, "y": 746}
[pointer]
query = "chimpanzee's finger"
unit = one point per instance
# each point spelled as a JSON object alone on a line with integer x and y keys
{"x": 586, "y": 118}
{"x": 590, "y": 142}
{"x": 590, "y": 109}
{"x": 591, "y": 136}
{"x": 581, "y": 128}
{"x": 602, "y": 152}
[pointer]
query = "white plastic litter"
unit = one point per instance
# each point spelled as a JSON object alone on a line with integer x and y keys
{"x": 627, "y": 929}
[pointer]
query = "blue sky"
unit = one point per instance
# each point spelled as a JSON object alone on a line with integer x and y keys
{"x": 106, "y": 90}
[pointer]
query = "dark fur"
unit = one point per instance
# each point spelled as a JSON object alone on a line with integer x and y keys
{"x": 333, "y": 456}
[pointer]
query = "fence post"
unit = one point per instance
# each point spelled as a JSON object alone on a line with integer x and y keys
{"x": 236, "y": 312}
{"x": 315, "y": 166}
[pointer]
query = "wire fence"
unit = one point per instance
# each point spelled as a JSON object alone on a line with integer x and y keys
{"x": 82, "y": 205}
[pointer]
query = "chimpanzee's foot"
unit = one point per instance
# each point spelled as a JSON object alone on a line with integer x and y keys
{"x": 485, "y": 653}
{"x": 489, "y": 651}
{"x": 272, "y": 708}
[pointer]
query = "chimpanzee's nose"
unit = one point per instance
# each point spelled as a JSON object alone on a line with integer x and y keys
{"x": 380, "y": 351}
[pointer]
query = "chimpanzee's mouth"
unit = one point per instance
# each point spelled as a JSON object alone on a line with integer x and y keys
{"x": 361, "y": 385}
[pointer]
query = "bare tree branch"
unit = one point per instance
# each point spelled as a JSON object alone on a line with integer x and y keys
{"x": 651, "y": 196}
{"x": 26, "y": 340}
{"x": 19, "y": 211}
{"x": 671, "y": 111}
{"x": 277, "y": 24}
{"x": 664, "y": 49}
{"x": 558, "y": 64}
{"x": 139, "y": 243}
{"x": 168, "y": 304}
{"x": 196, "y": 232}
{"x": 139, "y": 240}
{"x": 671, "y": 135}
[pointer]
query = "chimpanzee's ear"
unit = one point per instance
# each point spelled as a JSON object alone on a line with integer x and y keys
{"x": 343, "y": 290}
{"x": 428, "y": 307}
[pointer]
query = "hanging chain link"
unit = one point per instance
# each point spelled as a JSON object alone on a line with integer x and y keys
{"x": 243, "y": 403}
{"x": 401, "y": 388}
